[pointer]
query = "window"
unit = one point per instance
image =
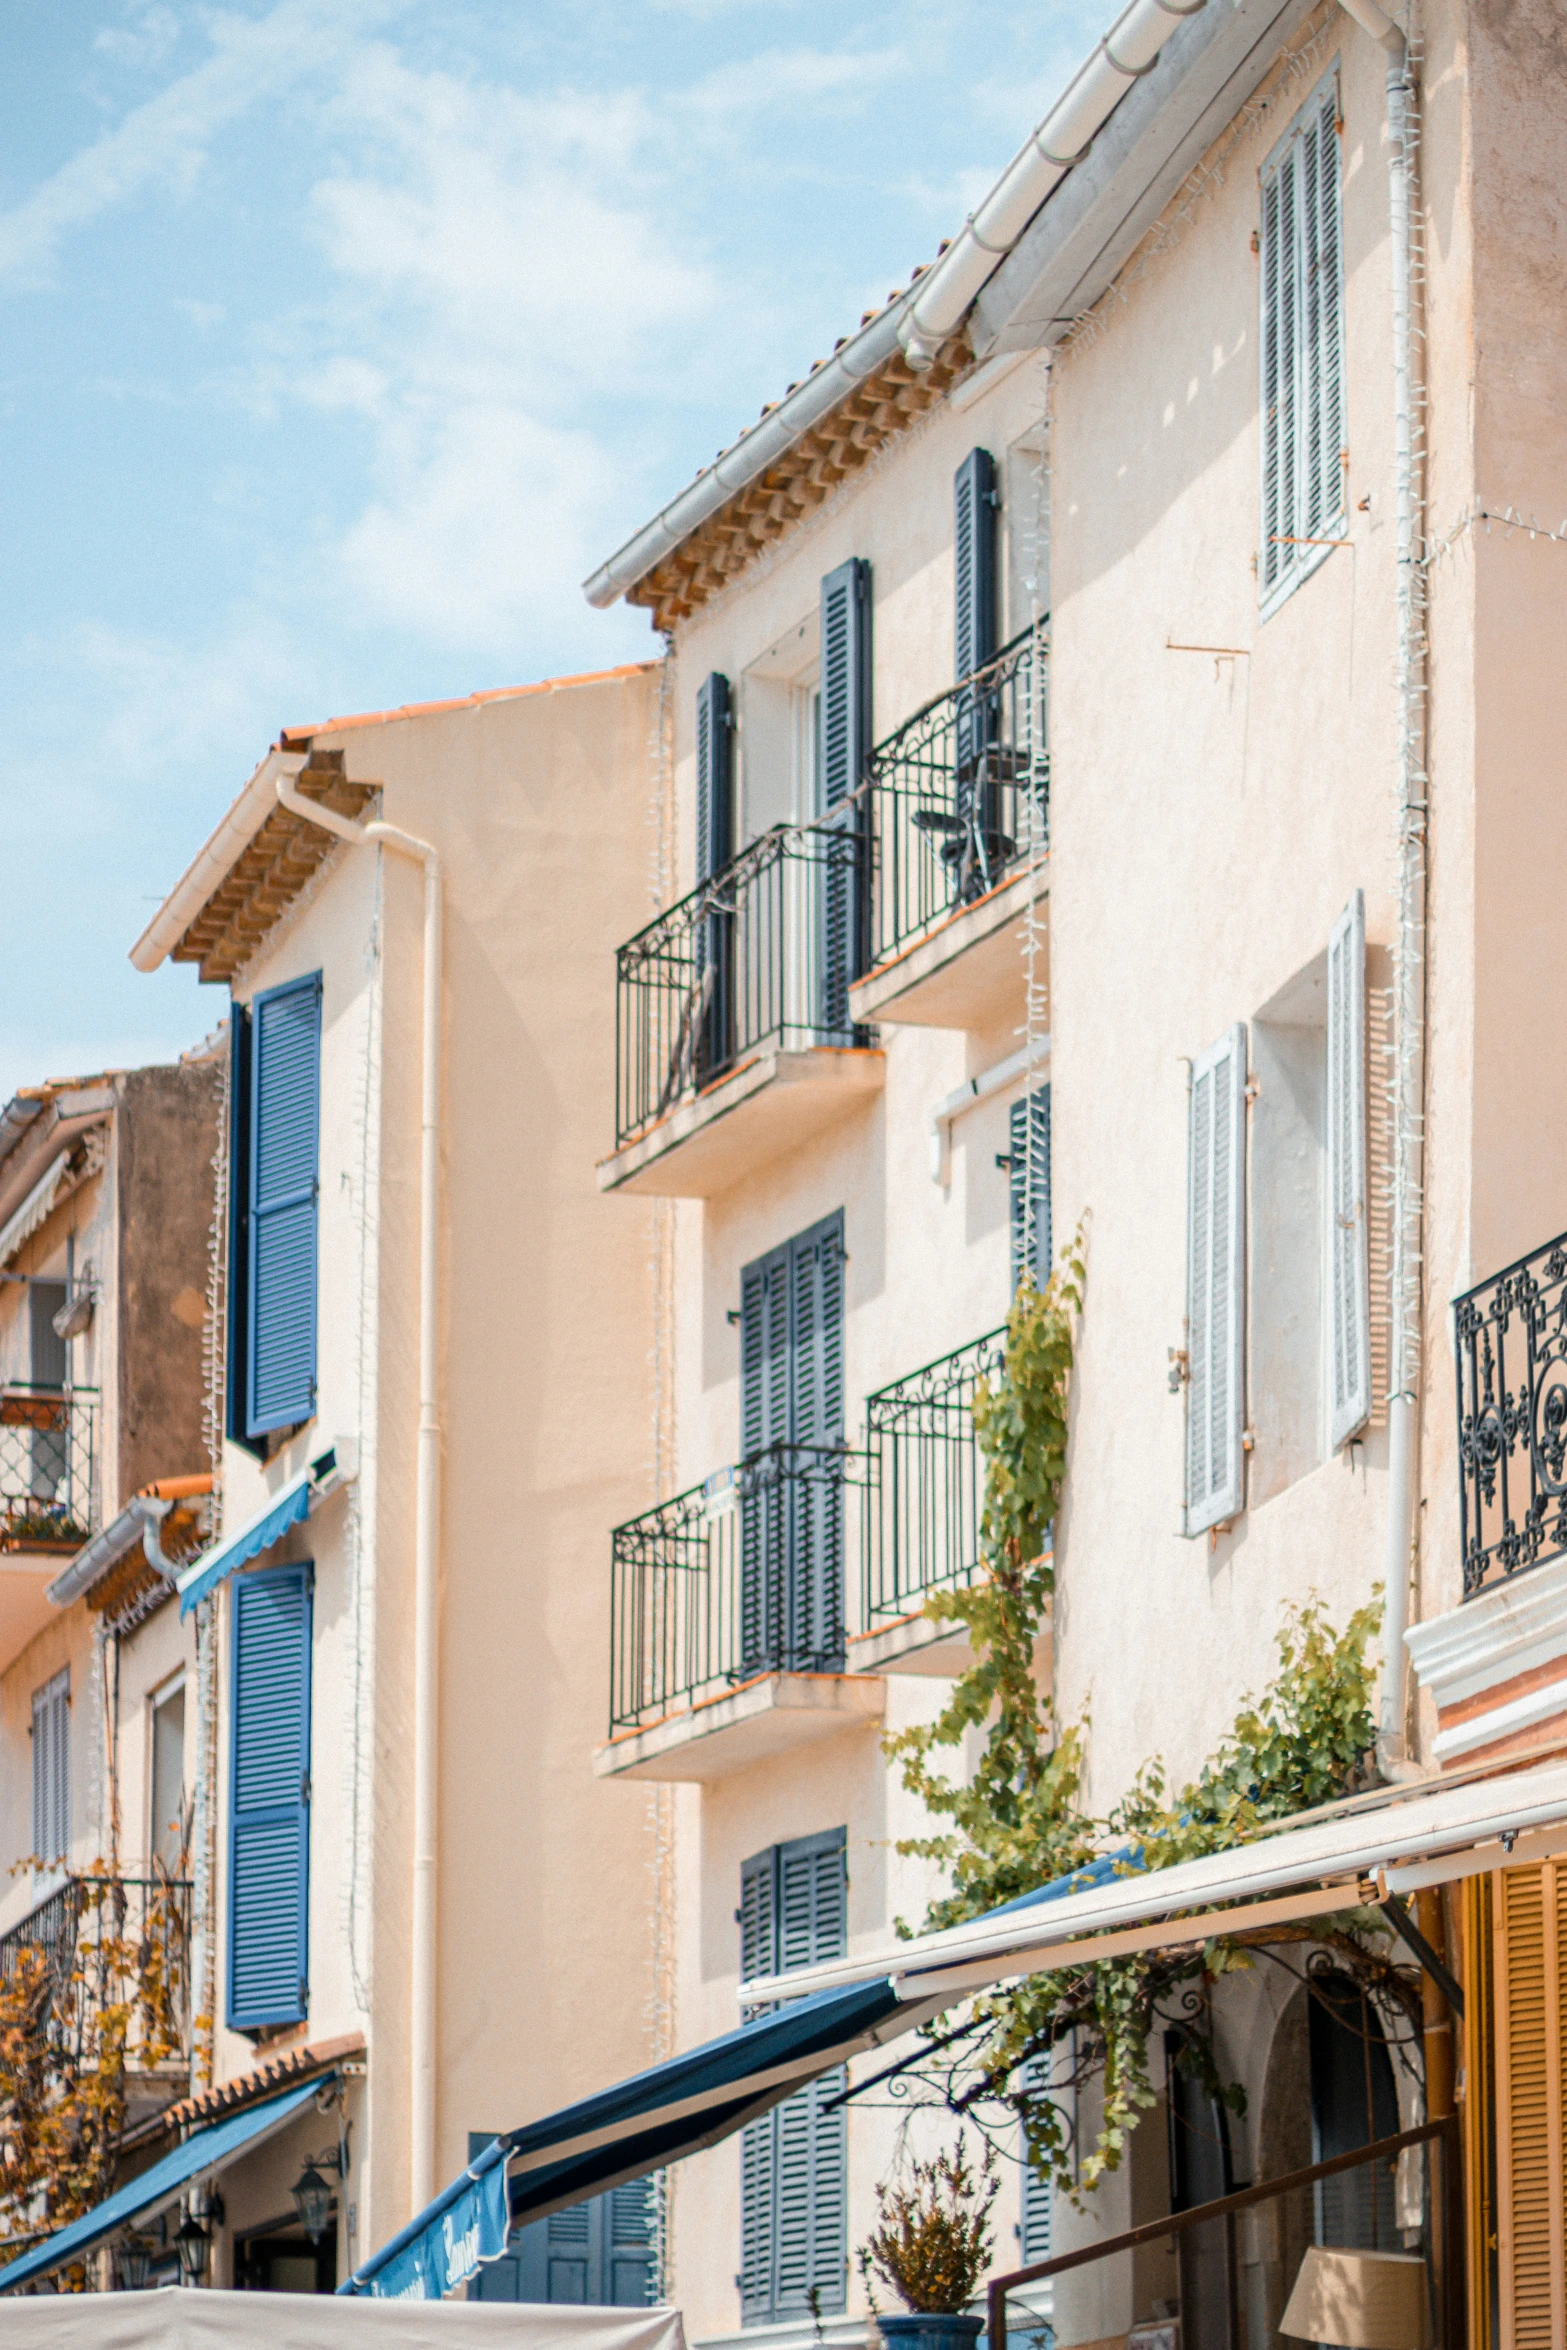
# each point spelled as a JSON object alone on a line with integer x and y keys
{"x": 1028, "y": 1165}
{"x": 166, "y": 1793}
{"x": 269, "y": 1797}
{"x": 794, "y": 2161}
{"x": 974, "y": 563}
{"x": 791, "y": 1421}
{"x": 1215, "y": 1259}
{"x": 52, "y": 1770}
{"x": 47, "y": 1358}
{"x": 274, "y": 1178}
{"x": 602, "y": 2252}
{"x": 1302, "y": 350}
{"x": 845, "y": 735}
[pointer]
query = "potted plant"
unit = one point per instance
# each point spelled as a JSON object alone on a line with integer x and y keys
{"x": 932, "y": 2245}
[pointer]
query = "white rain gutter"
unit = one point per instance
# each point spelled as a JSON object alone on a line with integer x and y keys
{"x": 213, "y": 862}
{"x": 1329, "y": 1865}
{"x": 970, "y": 1094}
{"x": 427, "y": 1487}
{"x": 1128, "y": 51}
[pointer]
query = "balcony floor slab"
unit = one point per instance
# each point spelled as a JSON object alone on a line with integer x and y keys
{"x": 769, "y": 1716}
{"x": 967, "y": 973}
{"x": 25, "y": 1576}
{"x": 769, "y": 1104}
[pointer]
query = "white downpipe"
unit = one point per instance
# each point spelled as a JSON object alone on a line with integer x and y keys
{"x": 427, "y": 1490}
{"x": 1127, "y": 51}
{"x": 1405, "y": 1348}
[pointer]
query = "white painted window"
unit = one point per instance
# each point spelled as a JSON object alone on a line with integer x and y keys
{"x": 52, "y": 1770}
{"x": 1348, "y": 1257}
{"x": 1215, "y": 1284}
{"x": 166, "y": 1792}
{"x": 1302, "y": 349}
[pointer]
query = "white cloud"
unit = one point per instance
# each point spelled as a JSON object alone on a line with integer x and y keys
{"x": 775, "y": 76}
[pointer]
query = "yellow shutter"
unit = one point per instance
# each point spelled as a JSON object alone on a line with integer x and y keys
{"x": 1529, "y": 1907}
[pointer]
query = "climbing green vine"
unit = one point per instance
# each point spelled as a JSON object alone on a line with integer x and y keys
{"x": 1015, "y": 1823}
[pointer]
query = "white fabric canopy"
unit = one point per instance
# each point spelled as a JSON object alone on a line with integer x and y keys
{"x": 175, "y": 2319}
{"x": 1419, "y": 1836}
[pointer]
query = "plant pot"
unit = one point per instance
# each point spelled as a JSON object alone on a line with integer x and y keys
{"x": 931, "y": 2329}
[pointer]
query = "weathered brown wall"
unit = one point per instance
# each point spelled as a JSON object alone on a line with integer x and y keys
{"x": 167, "y": 1129}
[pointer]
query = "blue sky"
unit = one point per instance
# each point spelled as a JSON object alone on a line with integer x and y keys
{"x": 340, "y": 338}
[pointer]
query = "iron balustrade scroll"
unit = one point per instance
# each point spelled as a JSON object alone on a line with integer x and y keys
{"x": 740, "y": 1576}
{"x": 959, "y": 797}
{"x": 48, "y": 1491}
{"x": 759, "y": 957}
{"x": 101, "y": 1940}
{"x": 1510, "y": 1340}
{"x": 926, "y": 1489}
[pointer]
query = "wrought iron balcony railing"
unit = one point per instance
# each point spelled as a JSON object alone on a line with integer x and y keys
{"x": 760, "y": 956}
{"x": 1510, "y": 1339}
{"x": 741, "y": 1576}
{"x": 926, "y": 1485}
{"x": 48, "y": 1486}
{"x": 108, "y": 1943}
{"x": 959, "y": 796}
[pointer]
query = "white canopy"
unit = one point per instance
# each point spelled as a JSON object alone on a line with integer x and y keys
{"x": 176, "y": 2319}
{"x": 1389, "y": 1843}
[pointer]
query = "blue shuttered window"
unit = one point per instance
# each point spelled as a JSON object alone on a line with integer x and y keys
{"x": 791, "y": 1407}
{"x": 1030, "y": 1187}
{"x": 845, "y": 722}
{"x": 974, "y": 563}
{"x": 794, "y": 2161}
{"x": 269, "y": 1797}
{"x": 603, "y": 2252}
{"x": 281, "y": 1185}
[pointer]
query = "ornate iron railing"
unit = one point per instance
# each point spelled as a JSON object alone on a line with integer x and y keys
{"x": 760, "y": 956}
{"x": 740, "y": 1576}
{"x": 959, "y": 796}
{"x": 101, "y": 1941}
{"x": 926, "y": 1487}
{"x": 48, "y": 1485}
{"x": 1510, "y": 1338}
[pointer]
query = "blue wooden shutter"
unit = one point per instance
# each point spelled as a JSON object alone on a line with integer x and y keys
{"x": 285, "y": 1094}
{"x": 814, "y": 1598}
{"x": 758, "y": 2140}
{"x": 844, "y": 749}
{"x": 237, "y": 1417}
{"x": 764, "y": 1486}
{"x": 811, "y": 2226}
{"x": 1030, "y": 1187}
{"x": 974, "y": 563}
{"x": 714, "y": 847}
{"x": 269, "y": 1797}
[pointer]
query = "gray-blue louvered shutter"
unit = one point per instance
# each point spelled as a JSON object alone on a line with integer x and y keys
{"x": 629, "y": 2265}
{"x": 845, "y": 701}
{"x": 764, "y": 1430}
{"x": 811, "y": 2228}
{"x": 1030, "y": 1187}
{"x": 974, "y": 563}
{"x": 240, "y": 1175}
{"x": 714, "y": 848}
{"x": 269, "y": 1797}
{"x": 814, "y": 1603}
{"x": 285, "y": 1094}
{"x": 758, "y": 2140}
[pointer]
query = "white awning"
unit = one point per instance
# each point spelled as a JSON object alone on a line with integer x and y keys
{"x": 33, "y": 1209}
{"x": 1416, "y": 1836}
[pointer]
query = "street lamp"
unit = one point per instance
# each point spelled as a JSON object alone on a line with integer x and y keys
{"x": 194, "y": 2246}
{"x": 312, "y": 2194}
{"x": 135, "y": 2263}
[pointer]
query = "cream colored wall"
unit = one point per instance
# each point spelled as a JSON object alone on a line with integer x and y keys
{"x": 538, "y": 807}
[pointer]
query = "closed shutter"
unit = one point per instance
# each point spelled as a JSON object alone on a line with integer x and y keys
{"x": 845, "y": 707}
{"x": 974, "y": 562}
{"x": 1302, "y": 346}
{"x": 601, "y": 2251}
{"x": 269, "y": 1797}
{"x": 1529, "y": 1906}
{"x": 285, "y": 1118}
{"x": 714, "y": 848}
{"x": 814, "y": 1602}
{"x": 1349, "y": 1270}
{"x": 629, "y": 2215}
{"x": 764, "y": 1427}
{"x": 237, "y": 1417}
{"x": 1215, "y": 1280}
{"x": 794, "y": 2162}
{"x": 52, "y": 1770}
{"x": 1030, "y": 1187}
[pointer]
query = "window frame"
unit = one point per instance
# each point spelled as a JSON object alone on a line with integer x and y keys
{"x": 1302, "y": 561}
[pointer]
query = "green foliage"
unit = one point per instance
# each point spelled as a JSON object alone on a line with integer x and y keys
{"x": 932, "y": 2241}
{"x": 1016, "y": 1823}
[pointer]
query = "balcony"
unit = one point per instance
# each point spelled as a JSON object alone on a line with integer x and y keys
{"x": 106, "y": 1953}
{"x": 728, "y": 1642}
{"x": 959, "y": 802}
{"x": 923, "y": 1497}
{"x": 48, "y": 1498}
{"x": 733, "y": 1035}
{"x": 1510, "y": 1340}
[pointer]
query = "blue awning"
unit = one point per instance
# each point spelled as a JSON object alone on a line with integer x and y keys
{"x": 204, "y": 2150}
{"x": 622, "y": 2133}
{"x": 296, "y": 1501}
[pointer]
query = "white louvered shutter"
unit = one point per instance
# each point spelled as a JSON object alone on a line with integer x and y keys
{"x": 1302, "y": 345}
{"x": 1348, "y": 1265}
{"x": 1215, "y": 1284}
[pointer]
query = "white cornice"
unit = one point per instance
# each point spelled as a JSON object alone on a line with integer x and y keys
{"x": 1514, "y": 1628}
